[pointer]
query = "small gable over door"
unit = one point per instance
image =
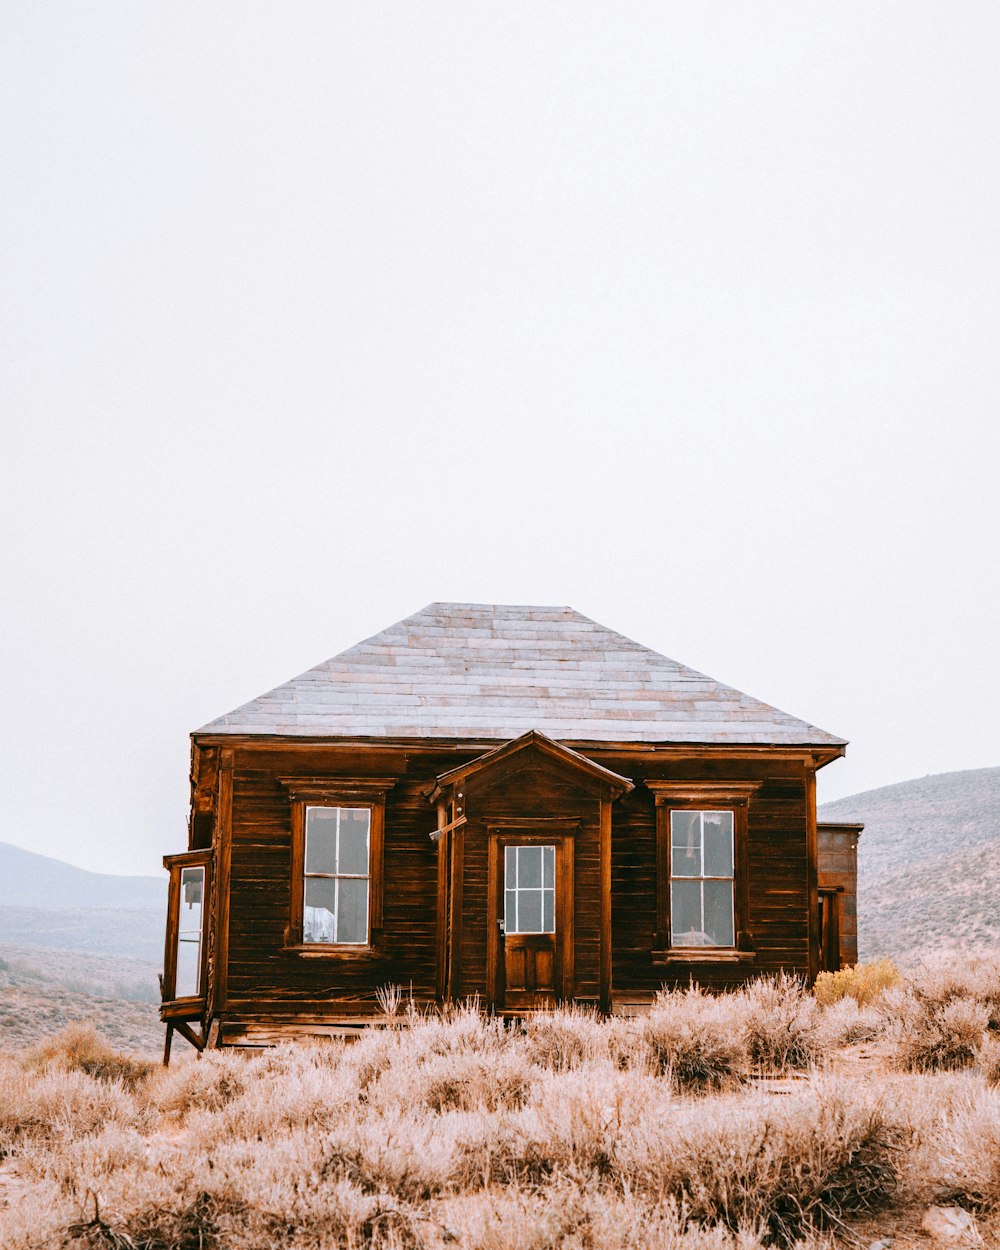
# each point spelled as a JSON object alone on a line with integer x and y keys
{"x": 525, "y": 876}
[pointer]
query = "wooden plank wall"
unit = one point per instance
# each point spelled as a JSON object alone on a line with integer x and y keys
{"x": 263, "y": 976}
{"x": 267, "y": 982}
{"x": 777, "y": 868}
{"x": 838, "y": 869}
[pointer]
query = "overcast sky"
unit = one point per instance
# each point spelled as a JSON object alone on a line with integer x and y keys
{"x": 683, "y": 314}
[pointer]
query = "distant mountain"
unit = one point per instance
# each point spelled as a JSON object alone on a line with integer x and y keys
{"x": 30, "y": 880}
{"x": 47, "y": 904}
{"x": 928, "y": 864}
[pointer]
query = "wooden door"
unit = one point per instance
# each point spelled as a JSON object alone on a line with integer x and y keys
{"x": 829, "y": 931}
{"x": 530, "y": 910}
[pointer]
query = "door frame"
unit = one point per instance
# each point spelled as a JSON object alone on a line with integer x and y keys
{"x": 539, "y": 831}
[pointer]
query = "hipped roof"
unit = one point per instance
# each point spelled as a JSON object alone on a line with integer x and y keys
{"x": 493, "y": 672}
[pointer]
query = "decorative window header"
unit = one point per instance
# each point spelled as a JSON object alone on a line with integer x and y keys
{"x": 708, "y": 794}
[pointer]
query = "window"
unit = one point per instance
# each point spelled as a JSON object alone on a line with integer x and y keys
{"x": 701, "y": 879}
{"x": 184, "y": 962}
{"x": 702, "y": 888}
{"x": 530, "y": 889}
{"x": 337, "y": 861}
{"x": 189, "y": 933}
{"x": 335, "y": 900}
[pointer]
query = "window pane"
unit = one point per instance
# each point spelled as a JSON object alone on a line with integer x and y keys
{"x": 192, "y": 889}
{"x": 549, "y": 911}
{"x": 320, "y": 907}
{"x": 548, "y": 866}
{"x": 186, "y": 982}
{"x": 510, "y": 911}
{"x": 321, "y": 839}
{"x": 719, "y": 912}
{"x": 718, "y": 827}
{"x": 187, "y": 976}
{"x": 685, "y": 914}
{"x": 510, "y": 867}
{"x": 352, "y": 912}
{"x": 529, "y": 911}
{"x": 529, "y": 866}
{"x": 354, "y": 822}
{"x": 685, "y": 844}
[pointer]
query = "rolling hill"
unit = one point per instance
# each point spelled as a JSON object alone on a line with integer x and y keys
{"x": 31, "y": 880}
{"x": 929, "y": 864}
{"x": 78, "y": 945}
{"x": 47, "y": 903}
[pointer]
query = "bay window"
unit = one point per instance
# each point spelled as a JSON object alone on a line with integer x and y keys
{"x": 184, "y": 956}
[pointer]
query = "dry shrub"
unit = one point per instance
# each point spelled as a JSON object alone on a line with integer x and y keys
{"x": 941, "y": 980}
{"x": 208, "y": 1084}
{"x": 563, "y": 1039}
{"x": 83, "y": 1164}
{"x": 372, "y": 1054}
{"x": 696, "y": 1040}
{"x": 758, "y": 1162}
{"x": 989, "y": 1061}
{"x": 965, "y": 1146}
{"x": 415, "y": 1164}
{"x": 315, "y": 1096}
{"x": 348, "y": 1218}
{"x": 845, "y": 1023}
{"x": 48, "y": 1106}
{"x": 929, "y": 1034}
{"x": 563, "y": 1214}
{"x": 455, "y": 1030}
{"x": 780, "y": 1021}
{"x": 576, "y": 1121}
{"x": 570, "y": 1128}
{"x": 862, "y": 982}
{"x": 468, "y": 1082}
{"x": 80, "y": 1048}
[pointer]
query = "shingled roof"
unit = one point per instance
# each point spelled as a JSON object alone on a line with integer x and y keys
{"x": 493, "y": 672}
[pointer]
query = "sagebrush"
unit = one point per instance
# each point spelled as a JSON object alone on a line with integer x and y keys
{"x": 458, "y": 1130}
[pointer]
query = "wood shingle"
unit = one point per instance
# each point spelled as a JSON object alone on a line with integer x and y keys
{"x": 495, "y": 671}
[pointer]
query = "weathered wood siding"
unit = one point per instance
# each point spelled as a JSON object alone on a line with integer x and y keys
{"x": 777, "y": 864}
{"x": 838, "y": 869}
{"x": 268, "y": 982}
{"x": 263, "y": 976}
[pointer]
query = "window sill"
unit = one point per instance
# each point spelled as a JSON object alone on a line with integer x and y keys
{"x": 182, "y": 1008}
{"x": 703, "y": 955}
{"x": 316, "y": 950}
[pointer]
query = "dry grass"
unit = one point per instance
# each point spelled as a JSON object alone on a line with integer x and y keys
{"x": 781, "y": 1023}
{"x": 80, "y": 1048}
{"x": 862, "y": 982}
{"x": 696, "y": 1040}
{"x": 567, "y": 1132}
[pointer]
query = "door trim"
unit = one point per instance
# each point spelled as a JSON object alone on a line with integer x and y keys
{"x": 540, "y": 832}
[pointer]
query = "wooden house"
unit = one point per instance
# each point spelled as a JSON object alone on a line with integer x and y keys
{"x": 511, "y": 803}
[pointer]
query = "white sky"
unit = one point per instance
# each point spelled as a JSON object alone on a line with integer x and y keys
{"x": 685, "y": 315}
